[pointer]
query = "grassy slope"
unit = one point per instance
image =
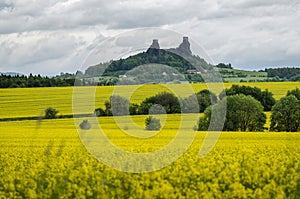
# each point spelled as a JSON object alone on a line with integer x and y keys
{"x": 231, "y": 75}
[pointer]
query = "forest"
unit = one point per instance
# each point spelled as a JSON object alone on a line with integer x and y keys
{"x": 8, "y": 81}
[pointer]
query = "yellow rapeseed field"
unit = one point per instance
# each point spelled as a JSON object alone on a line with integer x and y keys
{"x": 24, "y": 102}
{"x": 49, "y": 161}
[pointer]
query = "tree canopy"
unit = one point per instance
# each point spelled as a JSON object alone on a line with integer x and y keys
{"x": 264, "y": 97}
{"x": 152, "y": 124}
{"x": 284, "y": 73}
{"x": 295, "y": 92}
{"x": 286, "y": 115}
{"x": 34, "y": 81}
{"x": 167, "y": 100}
{"x": 201, "y": 100}
{"x": 244, "y": 113}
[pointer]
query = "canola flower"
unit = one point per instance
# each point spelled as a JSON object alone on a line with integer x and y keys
{"x": 51, "y": 162}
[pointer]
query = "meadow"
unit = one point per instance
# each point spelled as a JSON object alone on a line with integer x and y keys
{"x": 46, "y": 159}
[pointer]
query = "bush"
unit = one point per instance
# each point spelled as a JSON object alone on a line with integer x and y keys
{"x": 85, "y": 125}
{"x": 152, "y": 123}
{"x": 99, "y": 112}
{"x": 50, "y": 113}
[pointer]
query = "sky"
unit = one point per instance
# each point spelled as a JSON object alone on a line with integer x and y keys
{"x": 49, "y": 36}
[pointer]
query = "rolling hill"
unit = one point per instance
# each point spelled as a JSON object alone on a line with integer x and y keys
{"x": 181, "y": 59}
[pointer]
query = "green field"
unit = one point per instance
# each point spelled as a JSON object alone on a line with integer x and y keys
{"x": 234, "y": 75}
{"x": 46, "y": 159}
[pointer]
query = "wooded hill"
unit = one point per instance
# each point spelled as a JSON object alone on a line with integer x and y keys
{"x": 174, "y": 65}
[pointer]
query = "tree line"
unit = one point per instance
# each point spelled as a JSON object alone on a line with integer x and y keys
{"x": 244, "y": 111}
{"x": 161, "y": 103}
{"x": 288, "y": 74}
{"x": 33, "y": 81}
{"x": 245, "y": 108}
{"x": 111, "y": 70}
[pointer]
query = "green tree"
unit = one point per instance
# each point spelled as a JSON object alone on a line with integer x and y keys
{"x": 244, "y": 113}
{"x": 152, "y": 124}
{"x": 99, "y": 112}
{"x": 267, "y": 100}
{"x": 144, "y": 107}
{"x": 264, "y": 97}
{"x": 50, "y": 113}
{"x": 119, "y": 105}
{"x": 133, "y": 109}
{"x": 295, "y": 92}
{"x": 168, "y": 100}
{"x": 107, "y": 110}
{"x": 286, "y": 115}
{"x": 204, "y": 121}
{"x": 204, "y": 99}
{"x": 190, "y": 104}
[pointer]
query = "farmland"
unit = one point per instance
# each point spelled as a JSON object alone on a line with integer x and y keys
{"x": 234, "y": 75}
{"x": 46, "y": 159}
{"x": 50, "y": 161}
{"x": 26, "y": 102}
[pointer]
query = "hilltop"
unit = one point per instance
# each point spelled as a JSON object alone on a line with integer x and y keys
{"x": 153, "y": 66}
{"x": 180, "y": 58}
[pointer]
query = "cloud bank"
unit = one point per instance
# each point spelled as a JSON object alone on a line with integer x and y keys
{"x": 53, "y": 36}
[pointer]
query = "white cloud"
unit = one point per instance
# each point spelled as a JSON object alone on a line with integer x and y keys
{"x": 52, "y": 36}
{"x": 43, "y": 52}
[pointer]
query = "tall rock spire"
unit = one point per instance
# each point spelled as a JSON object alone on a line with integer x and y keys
{"x": 184, "y": 47}
{"x": 154, "y": 48}
{"x": 155, "y": 44}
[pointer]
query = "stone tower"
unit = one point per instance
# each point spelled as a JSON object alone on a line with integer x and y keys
{"x": 185, "y": 46}
{"x": 155, "y": 44}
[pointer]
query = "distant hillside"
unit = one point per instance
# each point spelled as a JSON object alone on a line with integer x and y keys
{"x": 287, "y": 74}
{"x": 180, "y": 58}
{"x": 234, "y": 75}
{"x": 154, "y": 66}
